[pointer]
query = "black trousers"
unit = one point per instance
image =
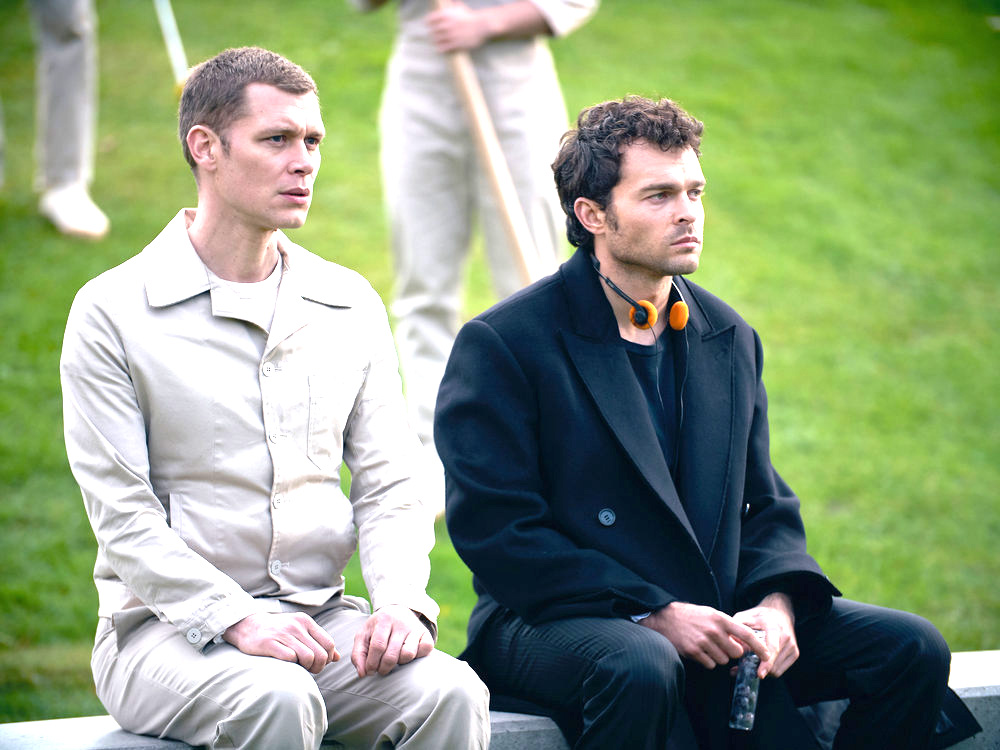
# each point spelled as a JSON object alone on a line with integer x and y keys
{"x": 611, "y": 683}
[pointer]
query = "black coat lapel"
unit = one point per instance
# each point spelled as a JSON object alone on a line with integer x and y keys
{"x": 705, "y": 463}
{"x": 594, "y": 347}
{"x": 606, "y": 371}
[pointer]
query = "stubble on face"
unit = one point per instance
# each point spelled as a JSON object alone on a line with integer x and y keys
{"x": 654, "y": 217}
{"x": 641, "y": 256}
{"x": 659, "y": 260}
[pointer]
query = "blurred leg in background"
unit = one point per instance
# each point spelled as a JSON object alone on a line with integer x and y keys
{"x": 66, "y": 91}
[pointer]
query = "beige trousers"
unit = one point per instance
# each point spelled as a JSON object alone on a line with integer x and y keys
{"x": 153, "y": 682}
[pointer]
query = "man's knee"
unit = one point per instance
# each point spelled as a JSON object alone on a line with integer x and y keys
{"x": 454, "y": 685}
{"x": 280, "y": 699}
{"x": 448, "y": 706}
{"x": 905, "y": 653}
{"x": 633, "y": 692}
{"x": 294, "y": 692}
{"x": 645, "y": 666}
{"x": 925, "y": 649}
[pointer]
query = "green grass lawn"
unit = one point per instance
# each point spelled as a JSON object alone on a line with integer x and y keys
{"x": 853, "y": 206}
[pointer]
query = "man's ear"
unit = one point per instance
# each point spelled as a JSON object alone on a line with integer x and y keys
{"x": 591, "y": 215}
{"x": 205, "y": 146}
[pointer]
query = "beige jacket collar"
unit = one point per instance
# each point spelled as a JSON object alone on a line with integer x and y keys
{"x": 174, "y": 271}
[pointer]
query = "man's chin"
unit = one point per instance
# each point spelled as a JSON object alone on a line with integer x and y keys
{"x": 683, "y": 267}
{"x": 291, "y": 222}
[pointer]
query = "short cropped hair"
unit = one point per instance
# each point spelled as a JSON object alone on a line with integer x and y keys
{"x": 215, "y": 92}
{"x": 589, "y": 160}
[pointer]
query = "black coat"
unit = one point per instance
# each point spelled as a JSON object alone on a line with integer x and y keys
{"x": 559, "y": 498}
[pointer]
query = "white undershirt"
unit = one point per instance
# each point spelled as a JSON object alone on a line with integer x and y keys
{"x": 253, "y": 301}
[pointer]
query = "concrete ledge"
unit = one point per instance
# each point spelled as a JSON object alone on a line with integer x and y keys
{"x": 522, "y": 732}
{"x": 84, "y": 733}
{"x": 510, "y": 732}
{"x": 975, "y": 676}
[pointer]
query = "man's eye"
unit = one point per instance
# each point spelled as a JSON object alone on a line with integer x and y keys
{"x": 696, "y": 193}
{"x": 312, "y": 142}
{"x": 276, "y": 138}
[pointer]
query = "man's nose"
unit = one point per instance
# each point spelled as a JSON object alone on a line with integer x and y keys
{"x": 686, "y": 214}
{"x": 303, "y": 160}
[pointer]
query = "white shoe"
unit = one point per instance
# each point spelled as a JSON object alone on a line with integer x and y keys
{"x": 72, "y": 211}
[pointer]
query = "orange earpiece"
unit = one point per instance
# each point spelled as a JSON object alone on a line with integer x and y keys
{"x": 643, "y": 314}
{"x": 640, "y": 320}
{"x": 678, "y": 315}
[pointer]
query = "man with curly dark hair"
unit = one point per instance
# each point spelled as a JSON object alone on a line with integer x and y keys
{"x": 605, "y": 438}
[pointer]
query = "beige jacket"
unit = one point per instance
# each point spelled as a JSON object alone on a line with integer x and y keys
{"x": 209, "y": 454}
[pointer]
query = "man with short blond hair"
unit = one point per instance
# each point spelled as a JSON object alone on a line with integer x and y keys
{"x": 213, "y": 387}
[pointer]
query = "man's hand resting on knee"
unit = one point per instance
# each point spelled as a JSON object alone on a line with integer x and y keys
{"x": 392, "y": 635}
{"x": 289, "y": 636}
{"x": 704, "y": 634}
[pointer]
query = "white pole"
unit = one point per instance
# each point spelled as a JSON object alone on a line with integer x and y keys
{"x": 172, "y": 38}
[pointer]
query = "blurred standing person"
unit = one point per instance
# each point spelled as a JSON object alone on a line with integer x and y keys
{"x": 66, "y": 85}
{"x": 435, "y": 189}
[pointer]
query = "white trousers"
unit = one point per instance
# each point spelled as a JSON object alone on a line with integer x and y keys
{"x": 66, "y": 91}
{"x": 153, "y": 682}
{"x": 435, "y": 190}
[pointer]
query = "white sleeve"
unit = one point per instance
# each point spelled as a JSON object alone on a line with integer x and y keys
{"x": 395, "y": 523}
{"x": 105, "y": 433}
{"x": 566, "y": 16}
{"x": 366, "y": 6}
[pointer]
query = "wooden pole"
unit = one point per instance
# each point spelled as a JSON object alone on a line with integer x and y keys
{"x": 488, "y": 147}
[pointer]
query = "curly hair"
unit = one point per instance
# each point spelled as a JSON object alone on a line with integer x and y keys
{"x": 214, "y": 93}
{"x": 589, "y": 160}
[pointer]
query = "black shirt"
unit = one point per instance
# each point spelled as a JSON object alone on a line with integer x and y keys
{"x": 654, "y": 368}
